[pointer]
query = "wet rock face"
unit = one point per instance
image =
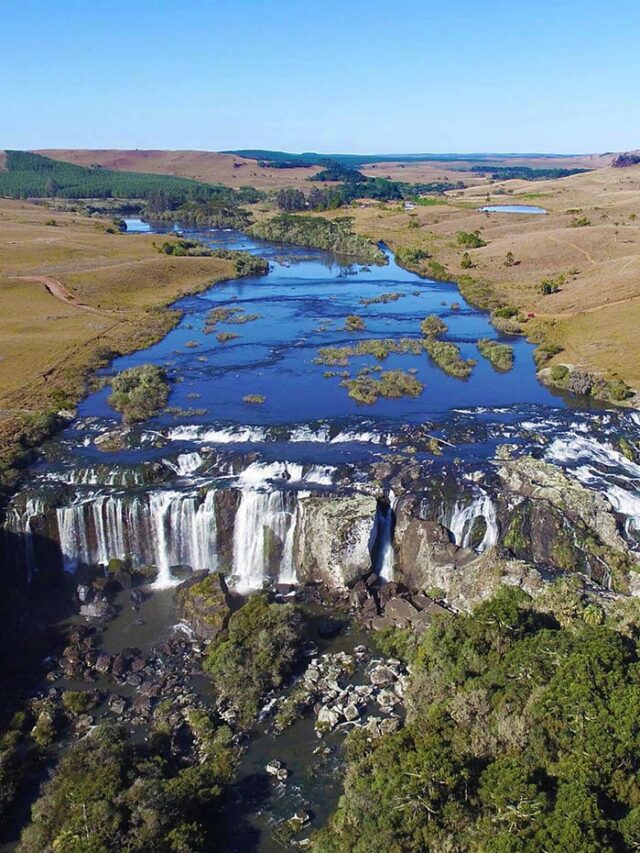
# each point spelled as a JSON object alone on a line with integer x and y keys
{"x": 553, "y": 520}
{"x": 531, "y": 478}
{"x": 203, "y": 603}
{"x": 334, "y": 538}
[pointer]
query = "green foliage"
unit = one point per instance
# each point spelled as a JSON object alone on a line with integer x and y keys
{"x": 545, "y": 352}
{"x": 432, "y": 326}
{"x": 447, "y": 356}
{"x": 411, "y": 258}
{"x": 466, "y": 263}
{"x": 32, "y": 175}
{"x": 183, "y": 248}
{"x": 77, "y": 701}
{"x": 552, "y": 285}
{"x": 336, "y": 235}
{"x": 521, "y": 735}
{"x": 398, "y": 643}
{"x": 391, "y": 384}
{"x": 261, "y": 650}
{"x": 525, "y": 173}
{"x": 580, "y": 222}
{"x": 140, "y": 392}
{"x": 107, "y": 794}
{"x": 470, "y": 239}
{"x": 500, "y": 355}
{"x": 559, "y": 373}
{"x": 379, "y": 348}
{"x": 337, "y": 172}
{"x": 290, "y": 199}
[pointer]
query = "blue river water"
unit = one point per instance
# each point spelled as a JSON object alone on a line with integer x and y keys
{"x": 301, "y": 306}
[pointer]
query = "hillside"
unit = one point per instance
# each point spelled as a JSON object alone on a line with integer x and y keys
{"x": 67, "y": 300}
{"x": 207, "y": 166}
{"x": 590, "y": 236}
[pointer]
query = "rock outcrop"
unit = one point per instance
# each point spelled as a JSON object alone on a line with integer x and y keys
{"x": 203, "y": 603}
{"x": 334, "y": 538}
{"x": 551, "y": 519}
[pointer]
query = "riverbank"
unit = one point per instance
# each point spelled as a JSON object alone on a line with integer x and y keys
{"x": 587, "y": 247}
{"x": 74, "y": 292}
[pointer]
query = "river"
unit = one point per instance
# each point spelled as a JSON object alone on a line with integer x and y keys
{"x": 216, "y": 482}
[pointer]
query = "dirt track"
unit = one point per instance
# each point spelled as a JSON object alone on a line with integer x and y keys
{"x": 57, "y": 289}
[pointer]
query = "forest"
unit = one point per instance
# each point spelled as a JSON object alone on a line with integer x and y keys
{"x": 522, "y": 735}
{"x": 30, "y": 175}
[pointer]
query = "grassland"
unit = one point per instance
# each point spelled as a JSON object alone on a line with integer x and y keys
{"x": 113, "y": 294}
{"x": 595, "y": 314}
{"x": 208, "y": 166}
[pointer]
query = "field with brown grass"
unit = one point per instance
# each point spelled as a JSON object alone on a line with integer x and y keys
{"x": 112, "y": 297}
{"x": 208, "y": 166}
{"x": 596, "y": 312}
{"x": 443, "y": 170}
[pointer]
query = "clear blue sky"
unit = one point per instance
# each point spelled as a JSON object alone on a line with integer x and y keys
{"x": 333, "y": 75}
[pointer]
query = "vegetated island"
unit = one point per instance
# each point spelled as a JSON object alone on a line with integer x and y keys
{"x": 335, "y": 235}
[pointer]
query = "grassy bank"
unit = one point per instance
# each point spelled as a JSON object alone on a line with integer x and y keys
{"x": 594, "y": 308}
{"x": 112, "y": 298}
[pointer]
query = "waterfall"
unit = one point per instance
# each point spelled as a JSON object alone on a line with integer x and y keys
{"x": 166, "y": 528}
{"x": 385, "y": 521}
{"x": 185, "y": 464}
{"x": 263, "y": 538}
{"x": 162, "y": 528}
{"x": 460, "y": 522}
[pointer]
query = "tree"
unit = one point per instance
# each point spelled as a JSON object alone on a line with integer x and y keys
{"x": 291, "y": 200}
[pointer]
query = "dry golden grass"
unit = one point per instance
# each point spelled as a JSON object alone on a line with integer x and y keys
{"x": 597, "y": 312}
{"x": 207, "y": 166}
{"x": 443, "y": 170}
{"x": 47, "y": 343}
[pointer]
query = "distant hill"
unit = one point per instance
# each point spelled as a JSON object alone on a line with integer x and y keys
{"x": 207, "y": 166}
{"x": 354, "y": 160}
{"x": 627, "y": 158}
{"x": 27, "y": 175}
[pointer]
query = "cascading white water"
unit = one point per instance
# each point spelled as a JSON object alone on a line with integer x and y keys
{"x": 185, "y": 464}
{"x": 166, "y": 528}
{"x": 604, "y": 468}
{"x": 265, "y": 523}
{"x": 162, "y": 528}
{"x": 384, "y": 539}
{"x": 460, "y": 521}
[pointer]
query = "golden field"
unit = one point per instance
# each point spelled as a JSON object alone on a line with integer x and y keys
{"x": 596, "y": 314}
{"x": 208, "y": 166}
{"x": 112, "y": 293}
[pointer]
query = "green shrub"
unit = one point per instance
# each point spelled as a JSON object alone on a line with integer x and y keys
{"x": 260, "y": 652}
{"x": 432, "y": 326}
{"x": 559, "y": 373}
{"x": 140, "y": 392}
{"x": 391, "y": 384}
{"x": 470, "y": 239}
{"x": 447, "y": 356}
{"x": 77, "y": 701}
{"x": 545, "y": 352}
{"x": 500, "y": 355}
{"x": 520, "y": 736}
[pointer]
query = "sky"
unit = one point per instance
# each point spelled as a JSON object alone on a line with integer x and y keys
{"x": 336, "y": 76}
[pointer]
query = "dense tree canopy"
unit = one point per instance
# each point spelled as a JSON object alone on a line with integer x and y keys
{"x": 522, "y": 735}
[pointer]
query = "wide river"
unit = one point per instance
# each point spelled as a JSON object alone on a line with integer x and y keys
{"x": 216, "y": 482}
